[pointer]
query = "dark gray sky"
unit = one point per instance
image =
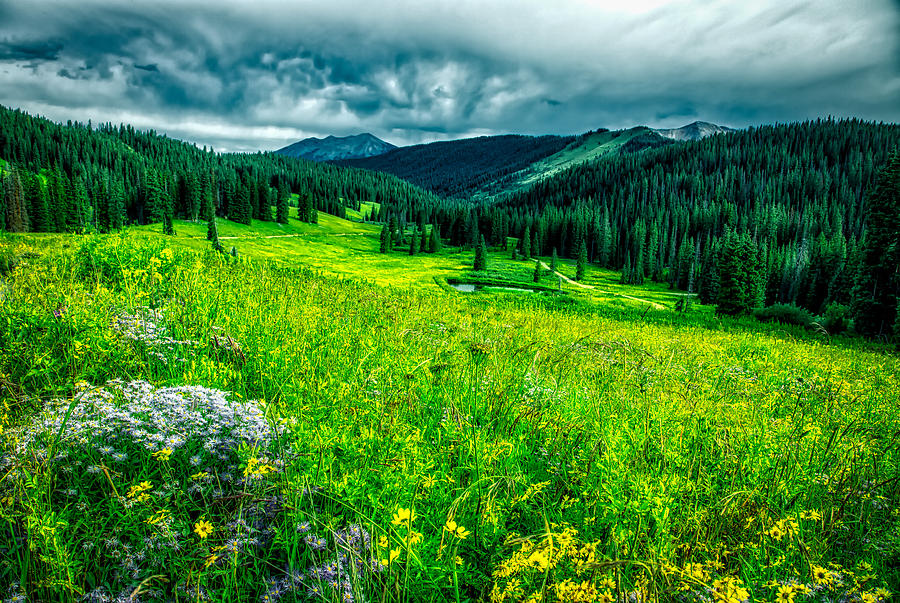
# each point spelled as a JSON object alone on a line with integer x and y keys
{"x": 258, "y": 75}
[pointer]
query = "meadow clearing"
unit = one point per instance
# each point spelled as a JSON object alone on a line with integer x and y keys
{"x": 316, "y": 421}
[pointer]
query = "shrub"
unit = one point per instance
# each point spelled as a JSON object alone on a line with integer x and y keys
{"x": 788, "y": 314}
{"x": 836, "y": 318}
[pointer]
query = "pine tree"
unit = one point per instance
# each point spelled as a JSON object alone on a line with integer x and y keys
{"x": 153, "y": 197}
{"x": 536, "y": 277}
{"x": 605, "y": 243}
{"x": 423, "y": 240}
{"x": 168, "y": 223}
{"x": 878, "y": 280}
{"x": 14, "y": 193}
{"x": 739, "y": 276}
{"x": 384, "y": 240}
{"x": 38, "y": 213}
{"x": 626, "y": 277}
{"x": 554, "y": 261}
{"x": 413, "y": 241}
{"x": 212, "y": 230}
{"x": 581, "y": 262}
{"x": 480, "y": 263}
{"x": 435, "y": 242}
{"x": 282, "y": 207}
{"x": 116, "y": 208}
{"x": 264, "y": 191}
{"x": 192, "y": 190}
{"x": 526, "y": 243}
{"x": 392, "y": 232}
{"x": 242, "y": 211}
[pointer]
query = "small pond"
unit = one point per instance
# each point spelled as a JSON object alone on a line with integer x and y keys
{"x": 471, "y": 288}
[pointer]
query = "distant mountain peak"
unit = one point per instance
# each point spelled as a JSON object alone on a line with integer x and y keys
{"x": 693, "y": 131}
{"x": 335, "y": 148}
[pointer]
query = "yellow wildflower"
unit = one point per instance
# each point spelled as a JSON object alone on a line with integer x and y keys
{"x": 203, "y": 528}
{"x": 391, "y": 557}
{"x": 820, "y": 575}
{"x": 456, "y": 529}
{"x": 404, "y": 517}
{"x": 163, "y": 455}
{"x": 138, "y": 490}
{"x": 785, "y": 594}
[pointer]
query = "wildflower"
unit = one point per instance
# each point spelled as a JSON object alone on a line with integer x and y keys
{"x": 257, "y": 467}
{"x": 404, "y": 517}
{"x": 200, "y": 475}
{"x": 820, "y": 575}
{"x": 139, "y": 490}
{"x": 391, "y": 557}
{"x": 302, "y": 527}
{"x": 163, "y": 455}
{"x": 203, "y": 528}
{"x": 157, "y": 517}
{"x": 539, "y": 560}
{"x": 316, "y": 543}
{"x": 456, "y": 529}
{"x": 785, "y": 594}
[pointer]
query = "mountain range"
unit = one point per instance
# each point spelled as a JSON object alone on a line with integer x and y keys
{"x": 333, "y": 148}
{"x": 693, "y": 131}
{"x": 363, "y": 146}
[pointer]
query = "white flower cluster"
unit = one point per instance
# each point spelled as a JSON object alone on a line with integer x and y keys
{"x": 147, "y": 327}
{"x": 153, "y": 418}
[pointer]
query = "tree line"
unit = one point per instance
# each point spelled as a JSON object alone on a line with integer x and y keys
{"x": 76, "y": 177}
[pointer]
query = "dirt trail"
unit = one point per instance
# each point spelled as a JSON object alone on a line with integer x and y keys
{"x": 655, "y": 305}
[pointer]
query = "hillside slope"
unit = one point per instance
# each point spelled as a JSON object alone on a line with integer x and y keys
{"x": 585, "y": 147}
{"x": 458, "y": 168}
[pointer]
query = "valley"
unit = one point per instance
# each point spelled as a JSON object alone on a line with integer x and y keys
{"x": 620, "y": 368}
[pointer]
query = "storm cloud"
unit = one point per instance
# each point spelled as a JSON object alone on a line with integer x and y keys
{"x": 248, "y": 76}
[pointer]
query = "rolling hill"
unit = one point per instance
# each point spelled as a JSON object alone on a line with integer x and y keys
{"x": 459, "y": 168}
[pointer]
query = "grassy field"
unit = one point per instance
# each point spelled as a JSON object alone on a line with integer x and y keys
{"x": 349, "y": 248}
{"x": 317, "y": 421}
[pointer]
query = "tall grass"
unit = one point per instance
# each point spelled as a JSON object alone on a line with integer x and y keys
{"x": 421, "y": 445}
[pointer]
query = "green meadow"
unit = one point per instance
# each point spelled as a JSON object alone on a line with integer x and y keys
{"x": 312, "y": 420}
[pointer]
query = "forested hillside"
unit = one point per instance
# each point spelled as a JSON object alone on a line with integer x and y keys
{"x": 457, "y": 168}
{"x": 792, "y": 196}
{"x": 74, "y": 177}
